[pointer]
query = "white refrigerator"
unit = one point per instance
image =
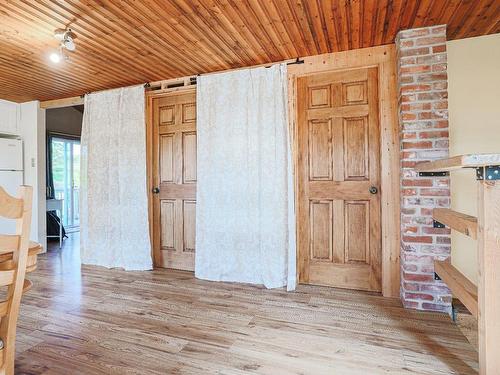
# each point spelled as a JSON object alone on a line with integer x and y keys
{"x": 11, "y": 174}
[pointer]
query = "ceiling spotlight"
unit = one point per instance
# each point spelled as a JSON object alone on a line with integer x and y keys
{"x": 66, "y": 38}
{"x": 55, "y": 57}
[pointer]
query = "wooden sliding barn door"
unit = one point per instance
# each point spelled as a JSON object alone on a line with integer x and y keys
{"x": 339, "y": 179}
{"x": 174, "y": 179}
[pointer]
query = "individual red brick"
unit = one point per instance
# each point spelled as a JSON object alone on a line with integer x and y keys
{"x": 434, "y": 192}
{"x": 438, "y": 288}
{"x": 436, "y": 134}
{"x": 419, "y": 296}
{"x": 410, "y": 267}
{"x": 415, "y": 51}
{"x": 409, "y": 116}
{"x": 426, "y": 211}
{"x": 410, "y": 135}
{"x": 428, "y": 41}
{"x": 408, "y": 192}
{"x": 440, "y": 104}
{"x": 443, "y": 85}
{"x": 413, "y": 33}
{"x": 438, "y": 95}
{"x": 439, "y": 67}
{"x": 439, "y": 49}
{"x": 432, "y": 230}
{"x": 435, "y": 307}
{"x": 415, "y": 69}
{"x": 431, "y": 59}
{"x": 432, "y": 77}
{"x": 411, "y": 286}
{"x": 439, "y": 29}
{"x": 443, "y": 240}
{"x": 418, "y": 182}
{"x": 419, "y": 145}
{"x": 417, "y": 239}
{"x": 415, "y": 88}
{"x": 418, "y": 277}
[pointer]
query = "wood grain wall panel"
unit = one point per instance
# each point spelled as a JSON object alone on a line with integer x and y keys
{"x": 125, "y": 43}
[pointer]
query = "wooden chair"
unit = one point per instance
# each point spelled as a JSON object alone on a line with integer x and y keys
{"x": 12, "y": 271}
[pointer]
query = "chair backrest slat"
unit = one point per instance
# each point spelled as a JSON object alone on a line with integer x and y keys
{"x": 14, "y": 270}
{"x": 10, "y": 207}
{"x": 9, "y": 243}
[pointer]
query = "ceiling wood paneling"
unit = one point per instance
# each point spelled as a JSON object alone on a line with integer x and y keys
{"x": 121, "y": 43}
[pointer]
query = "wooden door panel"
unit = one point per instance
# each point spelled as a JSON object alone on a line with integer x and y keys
{"x": 167, "y": 158}
{"x": 356, "y": 148}
{"x": 357, "y": 236}
{"x": 174, "y": 207}
{"x": 189, "y": 157}
{"x": 338, "y": 218}
{"x": 167, "y": 224}
{"x": 320, "y": 150}
{"x": 321, "y": 219}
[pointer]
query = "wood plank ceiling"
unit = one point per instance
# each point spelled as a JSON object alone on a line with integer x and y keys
{"x": 120, "y": 43}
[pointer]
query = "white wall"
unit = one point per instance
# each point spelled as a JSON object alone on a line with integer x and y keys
{"x": 474, "y": 109}
{"x": 31, "y": 128}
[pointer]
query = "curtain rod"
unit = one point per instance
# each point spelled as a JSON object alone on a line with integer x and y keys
{"x": 295, "y": 61}
{"x": 147, "y": 85}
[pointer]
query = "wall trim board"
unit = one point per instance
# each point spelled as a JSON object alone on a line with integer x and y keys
{"x": 384, "y": 58}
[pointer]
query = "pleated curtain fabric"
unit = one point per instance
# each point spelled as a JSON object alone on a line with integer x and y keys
{"x": 113, "y": 203}
{"x": 245, "y": 220}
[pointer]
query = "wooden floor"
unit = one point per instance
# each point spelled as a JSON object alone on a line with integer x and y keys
{"x": 98, "y": 321}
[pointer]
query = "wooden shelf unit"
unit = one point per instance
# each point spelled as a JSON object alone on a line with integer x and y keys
{"x": 460, "y": 222}
{"x": 482, "y": 301}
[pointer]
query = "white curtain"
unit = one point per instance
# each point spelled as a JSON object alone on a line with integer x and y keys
{"x": 245, "y": 223}
{"x": 113, "y": 198}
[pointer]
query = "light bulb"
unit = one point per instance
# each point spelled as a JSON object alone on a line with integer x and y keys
{"x": 55, "y": 57}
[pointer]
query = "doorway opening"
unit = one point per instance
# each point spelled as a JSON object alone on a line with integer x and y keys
{"x": 63, "y": 131}
{"x": 65, "y": 159}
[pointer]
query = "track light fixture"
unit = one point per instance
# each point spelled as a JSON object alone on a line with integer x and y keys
{"x": 66, "y": 38}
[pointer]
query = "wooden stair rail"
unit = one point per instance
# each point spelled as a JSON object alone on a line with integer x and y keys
{"x": 462, "y": 223}
{"x": 484, "y": 301}
{"x": 457, "y": 162}
{"x": 460, "y": 286}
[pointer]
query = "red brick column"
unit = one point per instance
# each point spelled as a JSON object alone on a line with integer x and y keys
{"x": 423, "y": 117}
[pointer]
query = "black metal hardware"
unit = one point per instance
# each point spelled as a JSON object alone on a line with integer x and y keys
{"x": 490, "y": 173}
{"x": 454, "y": 313}
{"x": 437, "y": 224}
{"x": 373, "y": 190}
{"x": 156, "y": 190}
{"x": 436, "y": 276}
{"x": 432, "y": 174}
{"x": 297, "y": 61}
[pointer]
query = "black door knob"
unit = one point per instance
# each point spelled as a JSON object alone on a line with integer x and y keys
{"x": 156, "y": 190}
{"x": 373, "y": 190}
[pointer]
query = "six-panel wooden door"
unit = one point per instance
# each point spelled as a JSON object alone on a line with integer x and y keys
{"x": 174, "y": 179}
{"x": 339, "y": 229}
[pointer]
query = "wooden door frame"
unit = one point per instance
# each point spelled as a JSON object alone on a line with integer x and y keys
{"x": 151, "y": 164}
{"x": 384, "y": 58}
